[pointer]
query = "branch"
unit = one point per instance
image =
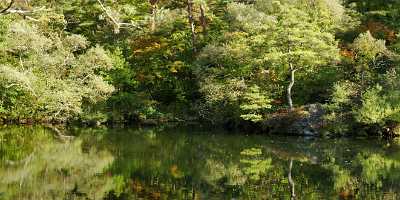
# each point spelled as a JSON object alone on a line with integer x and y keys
{"x": 127, "y": 25}
{"x": 31, "y": 18}
{"x": 8, "y": 7}
{"x": 153, "y": 2}
{"x": 16, "y": 11}
{"x": 22, "y": 12}
{"x": 23, "y": 86}
{"x": 59, "y": 133}
{"x": 118, "y": 25}
{"x": 11, "y": 85}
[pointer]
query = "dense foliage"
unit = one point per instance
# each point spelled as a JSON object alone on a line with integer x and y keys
{"x": 215, "y": 61}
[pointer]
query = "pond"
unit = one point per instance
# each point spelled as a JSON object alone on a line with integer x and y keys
{"x": 168, "y": 163}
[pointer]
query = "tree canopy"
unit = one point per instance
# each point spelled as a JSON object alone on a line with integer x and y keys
{"x": 212, "y": 61}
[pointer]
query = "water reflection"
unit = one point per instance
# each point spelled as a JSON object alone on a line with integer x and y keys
{"x": 37, "y": 166}
{"x": 180, "y": 164}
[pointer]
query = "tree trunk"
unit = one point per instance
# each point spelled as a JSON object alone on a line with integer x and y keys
{"x": 8, "y": 7}
{"x": 290, "y": 86}
{"x": 291, "y": 182}
{"x": 191, "y": 22}
{"x": 203, "y": 19}
{"x": 193, "y": 193}
{"x": 153, "y": 17}
{"x": 153, "y": 14}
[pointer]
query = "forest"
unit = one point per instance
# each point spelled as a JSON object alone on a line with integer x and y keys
{"x": 199, "y": 99}
{"x": 261, "y": 65}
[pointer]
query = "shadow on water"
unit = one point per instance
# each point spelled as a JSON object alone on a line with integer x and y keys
{"x": 157, "y": 163}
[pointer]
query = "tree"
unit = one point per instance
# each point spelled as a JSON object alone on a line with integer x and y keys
{"x": 298, "y": 43}
{"x": 153, "y": 14}
{"x": 52, "y": 75}
{"x": 202, "y": 18}
{"x": 370, "y": 97}
{"x": 367, "y": 50}
{"x": 191, "y": 24}
{"x": 255, "y": 104}
{"x": 267, "y": 42}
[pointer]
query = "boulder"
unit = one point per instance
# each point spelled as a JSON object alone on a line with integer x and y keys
{"x": 304, "y": 121}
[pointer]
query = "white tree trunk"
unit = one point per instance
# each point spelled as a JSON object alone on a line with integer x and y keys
{"x": 191, "y": 22}
{"x": 203, "y": 19}
{"x": 290, "y": 86}
{"x": 291, "y": 182}
{"x": 153, "y": 17}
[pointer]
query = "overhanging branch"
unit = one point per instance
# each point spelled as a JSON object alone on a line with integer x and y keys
{"x": 8, "y": 7}
{"x": 118, "y": 25}
{"x": 24, "y": 13}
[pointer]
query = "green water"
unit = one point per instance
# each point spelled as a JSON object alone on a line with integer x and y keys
{"x": 161, "y": 163}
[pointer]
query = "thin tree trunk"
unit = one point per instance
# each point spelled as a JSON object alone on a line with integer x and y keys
{"x": 153, "y": 14}
{"x": 117, "y": 25}
{"x": 291, "y": 182}
{"x": 364, "y": 68}
{"x": 193, "y": 193}
{"x": 203, "y": 19}
{"x": 153, "y": 17}
{"x": 8, "y": 7}
{"x": 191, "y": 22}
{"x": 290, "y": 86}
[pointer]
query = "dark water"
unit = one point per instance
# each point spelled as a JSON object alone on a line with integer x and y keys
{"x": 159, "y": 163}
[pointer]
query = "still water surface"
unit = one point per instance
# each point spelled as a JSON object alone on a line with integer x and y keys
{"x": 162, "y": 163}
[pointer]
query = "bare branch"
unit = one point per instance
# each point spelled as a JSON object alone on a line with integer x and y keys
{"x": 153, "y": 2}
{"x": 118, "y": 25}
{"x": 31, "y": 18}
{"x": 126, "y": 24}
{"x": 15, "y": 11}
{"x": 11, "y": 85}
{"x": 23, "y": 12}
{"x": 8, "y": 7}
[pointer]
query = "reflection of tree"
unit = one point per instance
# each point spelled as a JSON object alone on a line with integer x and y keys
{"x": 178, "y": 165}
{"x": 241, "y": 175}
{"x": 291, "y": 182}
{"x": 17, "y": 143}
{"x": 377, "y": 169}
{"x": 256, "y": 166}
{"x": 54, "y": 170}
{"x": 159, "y": 164}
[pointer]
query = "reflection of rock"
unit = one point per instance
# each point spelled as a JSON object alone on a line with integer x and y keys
{"x": 303, "y": 121}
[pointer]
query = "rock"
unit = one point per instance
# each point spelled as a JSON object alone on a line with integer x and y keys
{"x": 304, "y": 121}
{"x": 308, "y": 125}
{"x": 149, "y": 122}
